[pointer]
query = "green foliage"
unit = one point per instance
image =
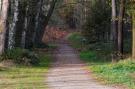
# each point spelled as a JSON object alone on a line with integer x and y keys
{"x": 98, "y": 21}
{"x": 130, "y": 7}
{"x": 95, "y": 56}
{"x": 116, "y": 73}
{"x": 76, "y": 39}
{"x": 89, "y": 56}
{"x": 15, "y": 54}
{"x": 21, "y": 56}
{"x": 44, "y": 60}
{"x": 111, "y": 73}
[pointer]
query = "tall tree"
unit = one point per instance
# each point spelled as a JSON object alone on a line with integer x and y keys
{"x": 133, "y": 35}
{"x": 120, "y": 26}
{"x": 114, "y": 25}
{"x": 131, "y": 10}
{"x": 3, "y": 20}
{"x": 12, "y": 27}
{"x": 43, "y": 21}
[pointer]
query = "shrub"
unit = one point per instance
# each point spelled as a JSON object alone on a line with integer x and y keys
{"x": 21, "y": 56}
{"x": 13, "y": 54}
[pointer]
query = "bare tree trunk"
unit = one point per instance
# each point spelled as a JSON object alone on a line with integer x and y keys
{"x": 114, "y": 26}
{"x": 3, "y": 19}
{"x": 12, "y": 29}
{"x": 120, "y": 27}
{"x": 133, "y": 36}
{"x": 43, "y": 24}
{"x": 23, "y": 40}
{"x": 37, "y": 19}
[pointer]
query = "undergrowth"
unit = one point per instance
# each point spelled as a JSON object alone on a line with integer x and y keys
{"x": 21, "y": 56}
{"x": 22, "y": 76}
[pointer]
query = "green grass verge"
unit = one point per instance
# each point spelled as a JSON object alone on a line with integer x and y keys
{"x": 116, "y": 73}
{"x": 22, "y": 77}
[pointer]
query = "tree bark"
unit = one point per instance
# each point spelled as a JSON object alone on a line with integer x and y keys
{"x": 43, "y": 23}
{"x": 120, "y": 26}
{"x": 114, "y": 26}
{"x": 39, "y": 9}
{"x": 23, "y": 39}
{"x": 12, "y": 28}
{"x": 133, "y": 35}
{"x": 3, "y": 20}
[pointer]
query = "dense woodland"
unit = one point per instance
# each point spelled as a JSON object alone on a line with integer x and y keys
{"x": 23, "y": 22}
{"x": 102, "y": 31}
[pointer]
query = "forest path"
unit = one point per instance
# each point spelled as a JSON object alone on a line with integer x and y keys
{"x": 69, "y": 72}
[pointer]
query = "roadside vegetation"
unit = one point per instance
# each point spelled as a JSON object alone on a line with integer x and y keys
{"x": 98, "y": 58}
{"x": 23, "y": 69}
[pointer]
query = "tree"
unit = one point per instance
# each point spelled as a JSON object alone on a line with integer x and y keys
{"x": 12, "y": 27}
{"x": 131, "y": 8}
{"x": 120, "y": 26}
{"x": 97, "y": 25}
{"x": 43, "y": 21}
{"x": 3, "y": 20}
{"x": 114, "y": 25}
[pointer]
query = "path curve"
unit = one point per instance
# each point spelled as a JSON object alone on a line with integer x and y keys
{"x": 68, "y": 72}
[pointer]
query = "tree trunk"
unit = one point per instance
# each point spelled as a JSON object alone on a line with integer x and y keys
{"x": 120, "y": 27}
{"x": 23, "y": 40}
{"x": 12, "y": 29}
{"x": 133, "y": 36}
{"x": 43, "y": 24}
{"x": 3, "y": 19}
{"x": 39, "y": 8}
{"x": 114, "y": 26}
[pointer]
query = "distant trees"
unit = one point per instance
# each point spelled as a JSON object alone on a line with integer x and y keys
{"x": 97, "y": 26}
{"x": 22, "y": 22}
{"x": 66, "y": 12}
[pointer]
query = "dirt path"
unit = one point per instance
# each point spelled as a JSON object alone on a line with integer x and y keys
{"x": 68, "y": 72}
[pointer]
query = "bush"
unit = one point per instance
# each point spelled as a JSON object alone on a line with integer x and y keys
{"x": 88, "y": 56}
{"x": 77, "y": 40}
{"x": 13, "y": 54}
{"x": 21, "y": 56}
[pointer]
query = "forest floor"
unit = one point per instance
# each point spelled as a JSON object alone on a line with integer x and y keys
{"x": 25, "y": 77}
{"x": 69, "y": 72}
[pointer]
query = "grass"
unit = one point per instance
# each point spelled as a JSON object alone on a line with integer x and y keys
{"x": 24, "y": 77}
{"x": 98, "y": 58}
{"x": 120, "y": 73}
